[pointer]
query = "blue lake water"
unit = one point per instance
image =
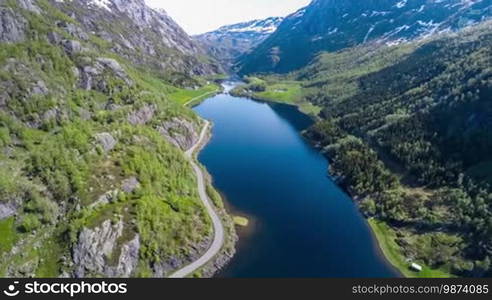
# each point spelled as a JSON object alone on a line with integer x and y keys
{"x": 302, "y": 223}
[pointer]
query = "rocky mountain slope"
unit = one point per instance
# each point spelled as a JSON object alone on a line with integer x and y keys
{"x": 140, "y": 34}
{"x": 331, "y": 25}
{"x": 93, "y": 180}
{"x": 229, "y": 42}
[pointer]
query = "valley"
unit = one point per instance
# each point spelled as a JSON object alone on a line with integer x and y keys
{"x": 346, "y": 139}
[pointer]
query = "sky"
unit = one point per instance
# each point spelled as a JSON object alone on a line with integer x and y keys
{"x": 199, "y": 16}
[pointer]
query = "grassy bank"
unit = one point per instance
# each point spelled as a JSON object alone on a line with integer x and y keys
{"x": 280, "y": 91}
{"x": 189, "y": 97}
{"x": 386, "y": 238}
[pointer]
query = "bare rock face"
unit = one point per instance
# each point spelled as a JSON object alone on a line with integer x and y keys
{"x": 128, "y": 259}
{"x": 12, "y": 26}
{"x": 7, "y": 210}
{"x": 180, "y": 133}
{"x": 107, "y": 141}
{"x": 73, "y": 30}
{"x": 72, "y": 47}
{"x": 39, "y": 88}
{"x": 142, "y": 116}
{"x": 92, "y": 76}
{"x": 29, "y": 5}
{"x": 96, "y": 246}
{"x": 151, "y": 37}
{"x": 130, "y": 184}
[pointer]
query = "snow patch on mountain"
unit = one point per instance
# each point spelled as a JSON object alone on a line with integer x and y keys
{"x": 401, "y": 4}
{"x": 101, "y": 4}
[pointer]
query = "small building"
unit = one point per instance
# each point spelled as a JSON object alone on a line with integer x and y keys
{"x": 416, "y": 267}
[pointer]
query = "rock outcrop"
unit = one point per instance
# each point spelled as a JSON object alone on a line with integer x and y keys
{"x": 143, "y": 115}
{"x": 7, "y": 210}
{"x": 129, "y": 185}
{"x": 128, "y": 259}
{"x": 95, "y": 247}
{"x": 107, "y": 141}
{"x": 29, "y": 5}
{"x": 12, "y": 26}
{"x": 179, "y": 132}
{"x": 93, "y": 76}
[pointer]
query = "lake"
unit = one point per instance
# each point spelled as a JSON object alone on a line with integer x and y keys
{"x": 302, "y": 223}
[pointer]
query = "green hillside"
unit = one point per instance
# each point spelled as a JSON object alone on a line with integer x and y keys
{"x": 88, "y": 155}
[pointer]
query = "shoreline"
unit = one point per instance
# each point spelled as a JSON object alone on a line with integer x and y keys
{"x": 231, "y": 237}
{"x": 216, "y": 207}
{"x": 299, "y": 107}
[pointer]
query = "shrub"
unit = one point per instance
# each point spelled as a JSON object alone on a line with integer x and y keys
{"x": 29, "y": 223}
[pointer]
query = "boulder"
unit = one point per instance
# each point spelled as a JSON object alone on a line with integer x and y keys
{"x": 115, "y": 67}
{"x": 105, "y": 199}
{"x": 73, "y": 30}
{"x": 39, "y": 88}
{"x": 107, "y": 141}
{"x": 54, "y": 38}
{"x": 72, "y": 47}
{"x": 130, "y": 184}
{"x": 7, "y": 210}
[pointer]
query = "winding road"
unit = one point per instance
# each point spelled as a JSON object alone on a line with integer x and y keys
{"x": 217, "y": 223}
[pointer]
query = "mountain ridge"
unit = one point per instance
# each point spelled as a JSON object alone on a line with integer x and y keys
{"x": 327, "y": 25}
{"x": 229, "y": 42}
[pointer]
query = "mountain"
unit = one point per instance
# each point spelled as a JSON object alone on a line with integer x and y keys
{"x": 140, "y": 34}
{"x": 331, "y": 25}
{"x": 93, "y": 179}
{"x": 229, "y": 42}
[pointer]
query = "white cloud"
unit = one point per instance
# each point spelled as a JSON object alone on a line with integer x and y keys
{"x": 198, "y": 16}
